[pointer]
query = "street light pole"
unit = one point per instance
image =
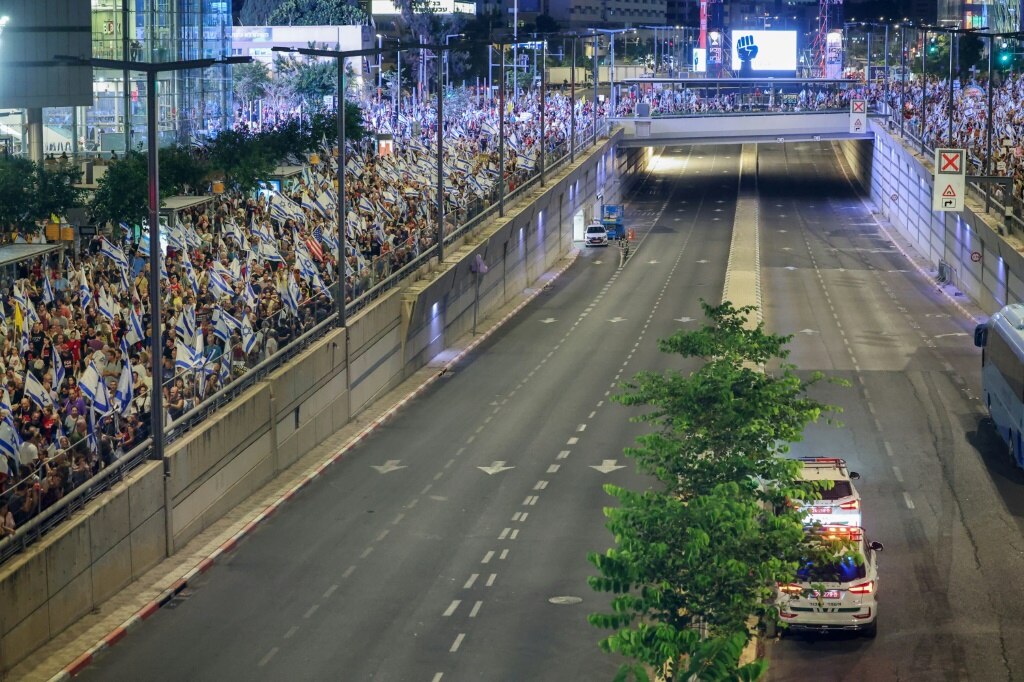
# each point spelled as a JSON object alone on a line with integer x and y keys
{"x": 543, "y": 103}
{"x": 342, "y": 259}
{"x": 903, "y": 74}
{"x": 501, "y": 135}
{"x": 595, "y": 88}
{"x": 572, "y": 105}
{"x": 989, "y": 122}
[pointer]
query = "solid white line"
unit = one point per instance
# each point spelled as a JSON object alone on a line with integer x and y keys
{"x": 487, "y": 557}
{"x": 490, "y": 579}
{"x": 270, "y": 655}
{"x": 457, "y": 642}
{"x": 910, "y": 502}
{"x": 451, "y": 607}
{"x": 330, "y": 591}
{"x": 476, "y": 609}
{"x": 553, "y": 469}
{"x": 472, "y": 579}
{"x": 311, "y": 611}
{"x": 896, "y": 472}
{"x": 348, "y": 571}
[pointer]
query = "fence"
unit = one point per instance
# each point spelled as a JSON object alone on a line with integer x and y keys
{"x": 472, "y": 217}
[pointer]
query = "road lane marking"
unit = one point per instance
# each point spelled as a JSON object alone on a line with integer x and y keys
{"x": 540, "y": 485}
{"x": 458, "y": 642}
{"x": 491, "y": 579}
{"x": 412, "y": 503}
{"x": 366, "y": 552}
{"x": 438, "y": 475}
{"x": 451, "y": 607}
{"x": 513, "y": 536}
{"x": 504, "y": 552}
{"x": 270, "y": 655}
{"x": 348, "y": 571}
{"x": 426, "y": 488}
{"x": 910, "y": 502}
{"x": 383, "y": 534}
{"x": 888, "y": 448}
{"x": 311, "y": 611}
{"x": 553, "y": 469}
{"x": 504, "y": 533}
{"x": 898, "y": 474}
{"x": 291, "y": 631}
{"x": 449, "y": 463}
{"x": 592, "y": 414}
{"x": 563, "y": 454}
{"x": 581, "y": 427}
{"x": 572, "y": 441}
{"x": 437, "y": 677}
{"x": 330, "y": 591}
{"x": 487, "y": 557}
{"x": 470, "y": 439}
{"x": 476, "y": 609}
{"x": 472, "y": 579}
{"x": 530, "y": 501}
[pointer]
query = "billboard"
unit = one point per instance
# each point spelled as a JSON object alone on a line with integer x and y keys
{"x": 834, "y": 54}
{"x": 425, "y": 7}
{"x": 758, "y": 51}
{"x": 715, "y": 56}
{"x": 700, "y": 60}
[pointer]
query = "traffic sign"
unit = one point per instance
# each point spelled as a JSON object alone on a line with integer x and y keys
{"x": 950, "y": 185}
{"x": 858, "y": 116}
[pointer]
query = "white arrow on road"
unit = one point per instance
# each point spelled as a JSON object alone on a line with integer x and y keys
{"x": 617, "y": 319}
{"x": 942, "y": 336}
{"x": 808, "y": 331}
{"x": 496, "y": 468}
{"x": 389, "y": 466}
{"x": 684, "y": 319}
{"x": 607, "y": 466}
{"x": 548, "y": 320}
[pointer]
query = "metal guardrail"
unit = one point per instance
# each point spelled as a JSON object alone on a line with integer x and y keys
{"x": 49, "y": 518}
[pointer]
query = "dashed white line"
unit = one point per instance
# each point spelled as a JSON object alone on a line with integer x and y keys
{"x": 490, "y": 579}
{"x": 348, "y": 571}
{"x": 437, "y": 677}
{"x": 476, "y": 609}
{"x": 572, "y": 441}
{"x": 366, "y": 552}
{"x": 449, "y": 463}
{"x": 553, "y": 468}
{"x": 504, "y": 533}
{"x": 888, "y": 448}
{"x": 412, "y": 503}
{"x": 540, "y": 485}
{"x": 383, "y": 534}
{"x": 312, "y": 609}
{"x": 910, "y": 502}
{"x": 487, "y": 557}
{"x": 291, "y": 631}
{"x": 898, "y": 474}
{"x": 458, "y": 642}
{"x": 270, "y": 655}
{"x": 581, "y": 427}
{"x": 530, "y": 501}
{"x": 438, "y": 475}
{"x": 513, "y": 536}
{"x": 504, "y": 552}
{"x": 472, "y": 579}
{"x": 451, "y": 608}
{"x": 426, "y": 488}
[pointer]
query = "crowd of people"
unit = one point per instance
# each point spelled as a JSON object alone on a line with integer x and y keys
{"x": 241, "y": 277}
{"x": 668, "y": 101}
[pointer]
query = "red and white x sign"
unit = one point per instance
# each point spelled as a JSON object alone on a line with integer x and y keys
{"x": 858, "y": 106}
{"x": 950, "y": 163}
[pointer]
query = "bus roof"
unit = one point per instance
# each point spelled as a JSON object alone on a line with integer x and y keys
{"x": 1009, "y": 323}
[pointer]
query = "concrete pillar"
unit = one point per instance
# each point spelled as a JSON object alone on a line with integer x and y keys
{"x": 35, "y": 134}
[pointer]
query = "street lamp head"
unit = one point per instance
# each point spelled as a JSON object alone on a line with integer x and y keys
{"x": 3, "y": 20}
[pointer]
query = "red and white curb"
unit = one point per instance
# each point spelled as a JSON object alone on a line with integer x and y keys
{"x": 119, "y": 633}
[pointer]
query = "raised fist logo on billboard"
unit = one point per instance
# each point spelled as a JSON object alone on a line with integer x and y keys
{"x": 747, "y": 51}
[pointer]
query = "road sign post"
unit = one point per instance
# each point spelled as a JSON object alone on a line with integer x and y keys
{"x": 858, "y": 116}
{"x": 950, "y": 187}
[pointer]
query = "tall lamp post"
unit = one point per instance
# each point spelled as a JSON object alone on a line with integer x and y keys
{"x": 339, "y": 56}
{"x": 156, "y": 410}
{"x": 953, "y": 33}
{"x": 611, "y": 33}
{"x": 990, "y": 123}
{"x": 447, "y": 79}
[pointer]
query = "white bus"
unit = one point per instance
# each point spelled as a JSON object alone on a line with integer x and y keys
{"x": 1002, "y": 374}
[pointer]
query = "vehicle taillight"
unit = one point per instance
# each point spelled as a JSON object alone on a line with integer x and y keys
{"x": 863, "y": 588}
{"x": 852, "y": 504}
{"x": 791, "y": 588}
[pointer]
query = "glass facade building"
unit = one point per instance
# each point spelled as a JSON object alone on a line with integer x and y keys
{"x": 191, "y": 104}
{"x": 1000, "y": 16}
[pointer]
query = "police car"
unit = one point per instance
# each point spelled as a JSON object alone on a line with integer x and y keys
{"x": 842, "y": 596}
{"x": 840, "y": 503}
{"x": 596, "y": 235}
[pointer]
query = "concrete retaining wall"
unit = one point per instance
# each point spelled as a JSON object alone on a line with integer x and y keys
{"x": 122, "y": 535}
{"x": 899, "y": 183}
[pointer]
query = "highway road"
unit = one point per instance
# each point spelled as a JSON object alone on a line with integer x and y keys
{"x": 434, "y": 551}
{"x": 939, "y": 490}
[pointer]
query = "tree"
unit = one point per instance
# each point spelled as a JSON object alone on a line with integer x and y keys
{"x": 242, "y": 159}
{"x": 250, "y": 81}
{"x": 309, "y": 79}
{"x": 122, "y": 192}
{"x": 54, "y": 190}
{"x": 257, "y": 12}
{"x": 182, "y": 170}
{"x": 16, "y": 191}
{"x": 706, "y": 547}
{"x": 316, "y": 13}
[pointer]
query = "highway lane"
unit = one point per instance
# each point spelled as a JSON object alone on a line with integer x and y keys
{"x": 432, "y": 571}
{"x": 939, "y": 490}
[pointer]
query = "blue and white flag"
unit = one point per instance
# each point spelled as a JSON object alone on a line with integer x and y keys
{"x": 190, "y": 273}
{"x": 8, "y": 439}
{"x": 48, "y": 296}
{"x": 248, "y": 336}
{"x": 89, "y": 382}
{"x": 185, "y": 325}
{"x": 5, "y": 400}
{"x": 36, "y": 392}
{"x": 58, "y": 374}
{"x": 184, "y": 357}
{"x": 18, "y": 296}
{"x": 92, "y": 441}
{"x": 114, "y": 253}
{"x": 107, "y": 307}
{"x": 217, "y": 284}
{"x": 102, "y": 402}
{"x": 84, "y": 288}
{"x": 251, "y": 300}
{"x": 135, "y": 333}
{"x": 124, "y": 393}
{"x": 225, "y": 369}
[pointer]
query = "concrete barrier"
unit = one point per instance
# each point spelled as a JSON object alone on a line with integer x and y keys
{"x": 982, "y": 263}
{"x": 231, "y": 455}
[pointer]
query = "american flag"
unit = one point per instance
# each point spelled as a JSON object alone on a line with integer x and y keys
{"x": 313, "y": 243}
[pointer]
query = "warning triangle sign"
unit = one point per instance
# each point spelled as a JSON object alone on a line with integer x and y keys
{"x": 949, "y": 191}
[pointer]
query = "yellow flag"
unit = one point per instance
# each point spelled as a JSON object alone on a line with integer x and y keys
{"x": 18, "y": 322}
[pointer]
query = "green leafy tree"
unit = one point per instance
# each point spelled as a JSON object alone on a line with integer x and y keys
{"x": 250, "y": 82}
{"x": 54, "y": 190}
{"x": 241, "y": 159}
{"x": 17, "y": 191}
{"x": 257, "y": 12}
{"x": 182, "y": 170}
{"x": 122, "y": 191}
{"x": 707, "y": 546}
{"x": 316, "y": 13}
{"x": 309, "y": 79}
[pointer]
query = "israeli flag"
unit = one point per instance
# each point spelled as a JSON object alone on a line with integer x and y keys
{"x": 84, "y": 289}
{"x": 248, "y": 336}
{"x": 114, "y": 253}
{"x": 135, "y": 332}
{"x": 8, "y": 439}
{"x": 224, "y": 323}
{"x": 218, "y": 285}
{"x": 35, "y": 391}
{"x": 89, "y": 382}
{"x": 225, "y": 369}
{"x": 18, "y": 296}
{"x": 48, "y": 296}
{"x": 294, "y": 295}
{"x": 124, "y": 393}
{"x": 102, "y": 402}
{"x": 184, "y": 358}
{"x": 190, "y": 274}
{"x": 251, "y": 300}
{"x": 58, "y": 374}
{"x": 5, "y": 401}
{"x": 107, "y": 305}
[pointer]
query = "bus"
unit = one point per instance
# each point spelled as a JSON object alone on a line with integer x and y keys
{"x": 1001, "y": 340}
